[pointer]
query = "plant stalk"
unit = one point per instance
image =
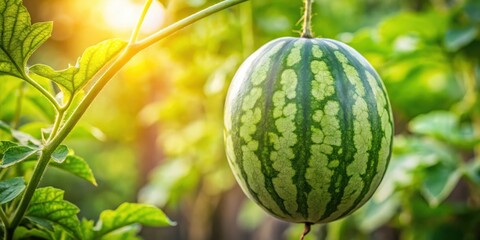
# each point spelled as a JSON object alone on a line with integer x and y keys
{"x": 138, "y": 26}
{"x": 31, "y": 186}
{"x": 56, "y": 124}
{"x": 475, "y": 76}
{"x": 307, "y": 20}
{"x": 306, "y": 230}
{"x": 9, "y": 234}
{"x": 130, "y": 51}
{"x": 4, "y": 219}
{"x": 185, "y": 22}
{"x": 42, "y": 90}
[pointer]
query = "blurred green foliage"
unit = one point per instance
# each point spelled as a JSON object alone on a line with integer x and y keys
{"x": 159, "y": 126}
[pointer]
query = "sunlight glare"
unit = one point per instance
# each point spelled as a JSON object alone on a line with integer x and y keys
{"x": 122, "y": 15}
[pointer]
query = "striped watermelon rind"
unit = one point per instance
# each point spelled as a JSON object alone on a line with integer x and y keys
{"x": 308, "y": 129}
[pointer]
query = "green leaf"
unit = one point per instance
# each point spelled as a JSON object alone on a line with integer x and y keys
{"x": 60, "y": 233}
{"x": 26, "y": 139}
{"x": 472, "y": 8}
{"x": 22, "y": 137}
{"x": 439, "y": 182}
{"x": 78, "y": 167}
{"x": 17, "y": 154}
{"x": 4, "y": 146}
{"x": 26, "y": 233}
{"x": 86, "y": 227}
{"x": 445, "y": 126}
{"x": 42, "y": 223}
{"x": 19, "y": 37}
{"x": 47, "y": 203}
{"x": 10, "y": 189}
{"x": 458, "y": 38}
{"x": 411, "y": 160}
{"x": 75, "y": 77}
{"x": 439, "y": 124}
{"x": 126, "y": 233}
{"x": 60, "y": 154}
{"x": 472, "y": 171}
{"x": 130, "y": 213}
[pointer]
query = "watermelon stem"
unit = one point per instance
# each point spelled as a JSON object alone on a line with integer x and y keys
{"x": 307, "y": 20}
{"x": 306, "y": 230}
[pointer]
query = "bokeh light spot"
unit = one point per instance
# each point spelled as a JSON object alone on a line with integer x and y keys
{"x": 122, "y": 15}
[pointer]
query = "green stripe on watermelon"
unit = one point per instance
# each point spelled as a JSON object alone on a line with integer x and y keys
{"x": 303, "y": 122}
{"x": 268, "y": 167}
{"x": 375, "y": 121}
{"x": 342, "y": 97}
{"x": 326, "y": 135}
{"x": 245, "y": 160}
{"x": 356, "y": 168}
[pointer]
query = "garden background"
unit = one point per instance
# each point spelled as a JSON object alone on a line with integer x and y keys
{"x": 155, "y": 133}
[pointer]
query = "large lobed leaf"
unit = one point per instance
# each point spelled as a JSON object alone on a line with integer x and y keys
{"x": 19, "y": 38}
{"x": 10, "y": 189}
{"x": 11, "y": 153}
{"x": 33, "y": 233}
{"x": 75, "y": 77}
{"x": 439, "y": 183}
{"x": 21, "y": 137}
{"x": 127, "y": 233}
{"x": 76, "y": 166}
{"x": 445, "y": 126}
{"x": 459, "y": 37}
{"x": 128, "y": 214}
{"x": 4, "y": 146}
{"x": 424, "y": 164}
{"x": 47, "y": 205}
{"x": 17, "y": 154}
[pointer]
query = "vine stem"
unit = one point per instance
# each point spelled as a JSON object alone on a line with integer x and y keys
{"x": 306, "y": 230}
{"x": 42, "y": 90}
{"x": 185, "y": 22}
{"x": 475, "y": 84}
{"x": 131, "y": 50}
{"x": 474, "y": 91}
{"x": 4, "y": 218}
{"x": 56, "y": 124}
{"x": 138, "y": 26}
{"x": 307, "y": 20}
{"x": 6, "y": 226}
{"x": 30, "y": 189}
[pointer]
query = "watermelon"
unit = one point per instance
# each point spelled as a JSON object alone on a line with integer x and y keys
{"x": 308, "y": 129}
